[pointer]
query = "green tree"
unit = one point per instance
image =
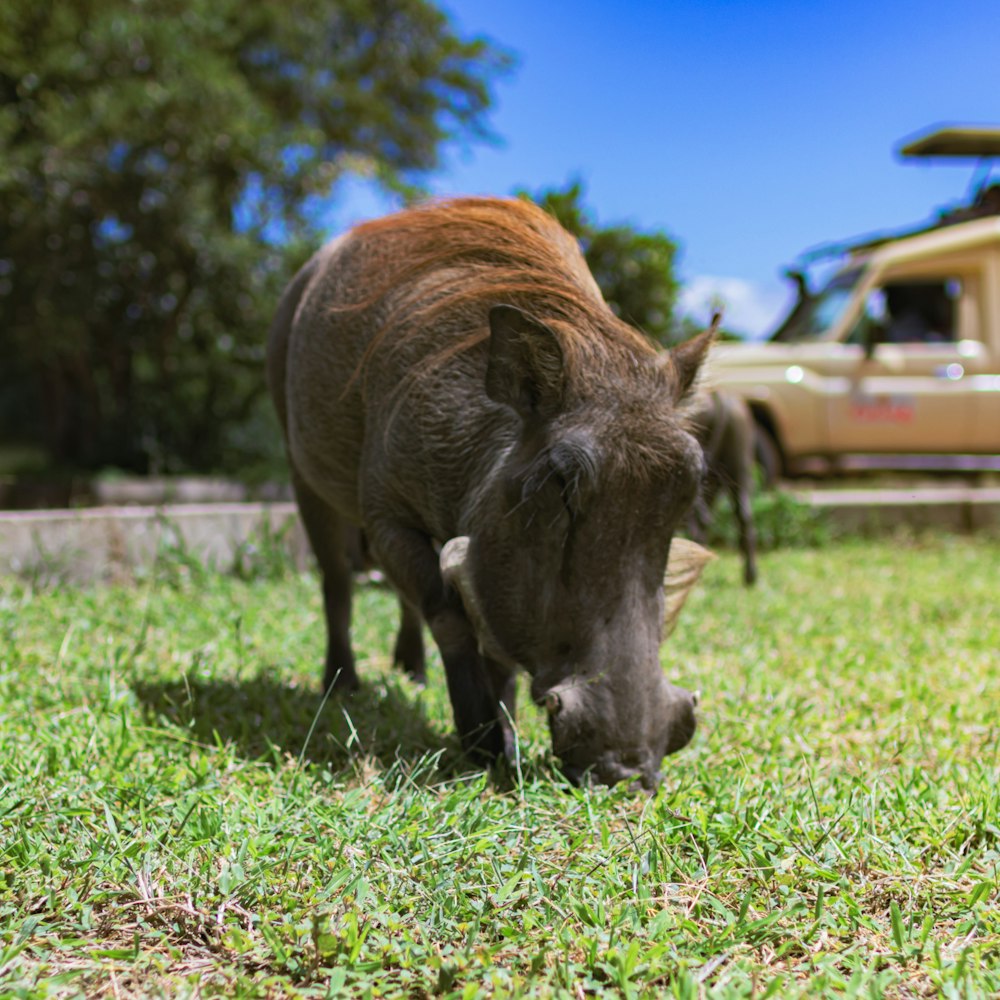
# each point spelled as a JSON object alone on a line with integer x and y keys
{"x": 634, "y": 269}
{"x": 162, "y": 163}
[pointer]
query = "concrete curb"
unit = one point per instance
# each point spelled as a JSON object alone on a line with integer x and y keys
{"x": 120, "y": 543}
{"x": 956, "y": 508}
{"x": 117, "y": 543}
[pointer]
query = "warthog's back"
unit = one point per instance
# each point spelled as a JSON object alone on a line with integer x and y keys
{"x": 378, "y": 352}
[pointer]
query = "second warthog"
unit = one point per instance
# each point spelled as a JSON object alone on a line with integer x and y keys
{"x": 724, "y": 427}
{"x": 450, "y": 380}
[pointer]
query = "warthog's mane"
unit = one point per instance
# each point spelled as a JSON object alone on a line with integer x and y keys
{"x": 437, "y": 270}
{"x": 443, "y": 265}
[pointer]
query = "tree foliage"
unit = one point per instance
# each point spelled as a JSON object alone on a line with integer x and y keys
{"x": 634, "y": 269}
{"x": 161, "y": 163}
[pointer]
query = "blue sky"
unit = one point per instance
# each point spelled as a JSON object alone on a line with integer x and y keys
{"x": 747, "y": 131}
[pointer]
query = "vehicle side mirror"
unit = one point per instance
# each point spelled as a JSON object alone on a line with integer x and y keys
{"x": 870, "y": 337}
{"x": 870, "y": 332}
{"x": 873, "y": 323}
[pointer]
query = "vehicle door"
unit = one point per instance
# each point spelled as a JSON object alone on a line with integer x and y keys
{"x": 907, "y": 387}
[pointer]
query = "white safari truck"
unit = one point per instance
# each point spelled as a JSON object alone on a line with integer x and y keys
{"x": 894, "y": 362}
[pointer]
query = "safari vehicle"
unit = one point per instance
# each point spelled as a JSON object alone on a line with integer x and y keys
{"x": 894, "y": 363}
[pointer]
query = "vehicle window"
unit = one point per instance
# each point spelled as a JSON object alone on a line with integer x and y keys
{"x": 817, "y": 313}
{"x": 911, "y": 312}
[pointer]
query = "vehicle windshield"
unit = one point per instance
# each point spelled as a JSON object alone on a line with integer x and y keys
{"x": 815, "y": 313}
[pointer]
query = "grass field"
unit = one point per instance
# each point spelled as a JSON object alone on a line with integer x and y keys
{"x": 182, "y": 815}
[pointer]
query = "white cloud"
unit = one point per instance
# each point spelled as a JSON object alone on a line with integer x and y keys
{"x": 752, "y": 309}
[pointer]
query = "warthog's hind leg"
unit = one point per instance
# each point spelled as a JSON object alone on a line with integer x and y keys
{"x": 408, "y": 652}
{"x": 326, "y": 536}
{"x": 740, "y": 494}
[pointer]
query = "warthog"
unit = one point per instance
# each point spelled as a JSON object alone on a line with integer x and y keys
{"x": 724, "y": 426}
{"x": 450, "y": 380}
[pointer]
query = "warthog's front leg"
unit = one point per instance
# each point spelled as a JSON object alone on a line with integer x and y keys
{"x": 479, "y": 719}
{"x": 411, "y": 562}
{"x": 503, "y": 682}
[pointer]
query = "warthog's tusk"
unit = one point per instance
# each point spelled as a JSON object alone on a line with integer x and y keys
{"x": 457, "y": 573}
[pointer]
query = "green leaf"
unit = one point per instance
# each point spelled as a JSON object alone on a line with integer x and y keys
{"x": 898, "y": 934}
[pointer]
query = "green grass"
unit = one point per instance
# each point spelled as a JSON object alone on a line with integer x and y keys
{"x": 182, "y": 815}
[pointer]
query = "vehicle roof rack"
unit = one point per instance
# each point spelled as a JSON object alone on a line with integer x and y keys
{"x": 954, "y": 142}
{"x": 975, "y": 142}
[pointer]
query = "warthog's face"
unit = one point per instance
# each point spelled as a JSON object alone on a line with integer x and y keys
{"x": 564, "y": 571}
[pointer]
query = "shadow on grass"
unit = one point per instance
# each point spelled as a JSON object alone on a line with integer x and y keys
{"x": 266, "y": 718}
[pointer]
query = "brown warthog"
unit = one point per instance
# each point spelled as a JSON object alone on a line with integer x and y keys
{"x": 450, "y": 379}
{"x": 724, "y": 427}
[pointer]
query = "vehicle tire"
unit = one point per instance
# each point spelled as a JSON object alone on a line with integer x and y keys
{"x": 768, "y": 456}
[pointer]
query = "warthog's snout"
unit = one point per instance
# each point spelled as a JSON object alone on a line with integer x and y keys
{"x": 578, "y": 741}
{"x": 609, "y": 726}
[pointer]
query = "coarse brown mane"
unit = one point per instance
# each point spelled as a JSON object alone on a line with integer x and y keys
{"x": 459, "y": 257}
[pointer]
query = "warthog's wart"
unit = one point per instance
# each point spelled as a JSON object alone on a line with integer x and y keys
{"x": 450, "y": 380}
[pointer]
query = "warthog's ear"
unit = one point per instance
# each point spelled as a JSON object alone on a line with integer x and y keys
{"x": 687, "y": 357}
{"x": 687, "y": 560}
{"x": 525, "y": 369}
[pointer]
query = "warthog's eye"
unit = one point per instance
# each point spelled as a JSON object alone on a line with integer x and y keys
{"x": 575, "y": 469}
{"x": 555, "y": 485}
{"x": 541, "y": 496}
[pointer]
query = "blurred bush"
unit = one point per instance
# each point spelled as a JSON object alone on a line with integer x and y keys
{"x": 782, "y": 521}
